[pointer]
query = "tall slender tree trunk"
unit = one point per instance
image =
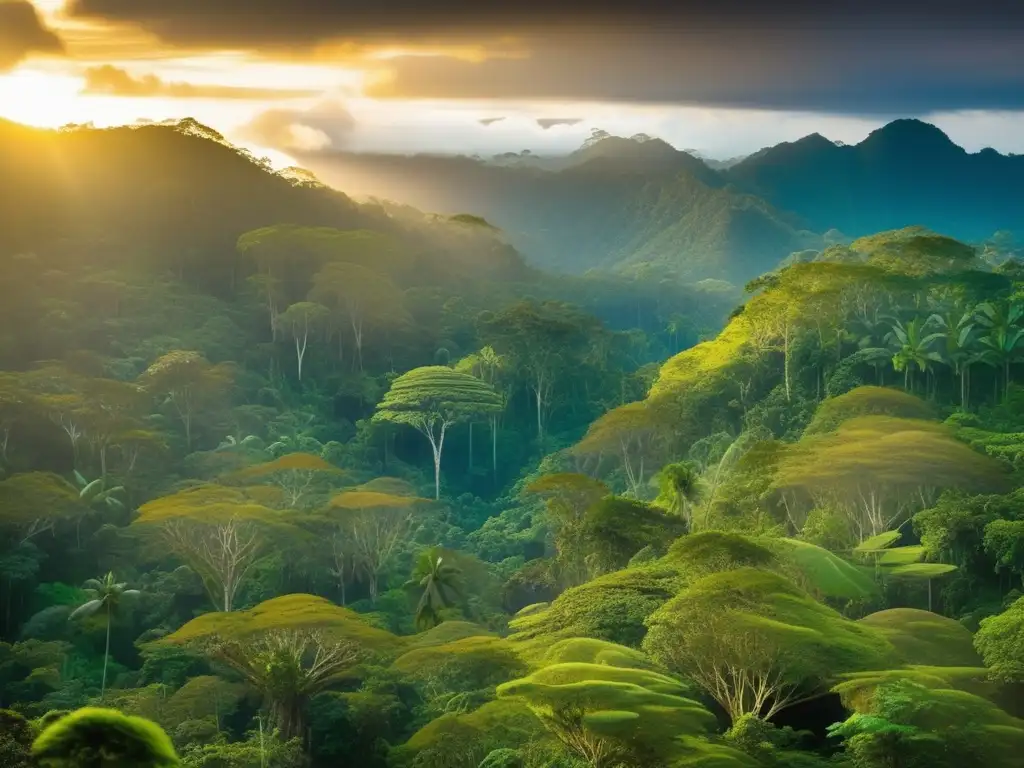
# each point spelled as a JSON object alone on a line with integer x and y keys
{"x": 106, "y": 655}
{"x": 494, "y": 447}
{"x": 437, "y": 446}
{"x": 470, "y": 447}
{"x": 785, "y": 361}
{"x": 300, "y": 352}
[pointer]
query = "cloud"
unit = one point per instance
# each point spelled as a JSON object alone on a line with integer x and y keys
{"x": 22, "y": 33}
{"x": 109, "y": 80}
{"x": 551, "y": 122}
{"x": 875, "y": 57}
{"x": 266, "y": 22}
{"x": 327, "y": 126}
{"x": 490, "y": 120}
{"x": 889, "y": 72}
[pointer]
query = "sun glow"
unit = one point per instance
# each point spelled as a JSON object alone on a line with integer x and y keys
{"x": 40, "y": 99}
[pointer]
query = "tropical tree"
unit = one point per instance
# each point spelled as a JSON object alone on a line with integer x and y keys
{"x": 1003, "y": 322}
{"x": 103, "y": 738}
{"x": 878, "y": 470}
{"x": 439, "y": 584}
{"x": 681, "y": 487}
{"x": 630, "y": 432}
{"x": 756, "y": 643}
{"x": 219, "y": 532}
{"x": 296, "y": 474}
{"x": 362, "y": 295}
{"x": 539, "y": 342}
{"x": 300, "y": 320}
{"x": 106, "y": 595}
{"x": 959, "y": 346}
{"x": 375, "y": 524}
{"x": 568, "y": 496}
{"x": 431, "y": 400}
{"x": 1000, "y": 641}
{"x": 288, "y": 668}
{"x": 906, "y": 723}
{"x": 912, "y": 348}
{"x": 607, "y": 715}
{"x": 189, "y": 382}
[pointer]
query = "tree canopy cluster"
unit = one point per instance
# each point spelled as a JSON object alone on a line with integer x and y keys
{"x": 365, "y": 490}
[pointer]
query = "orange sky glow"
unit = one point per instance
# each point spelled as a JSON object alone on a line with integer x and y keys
{"x": 350, "y": 97}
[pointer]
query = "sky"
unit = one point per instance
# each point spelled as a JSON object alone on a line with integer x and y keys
{"x": 315, "y": 76}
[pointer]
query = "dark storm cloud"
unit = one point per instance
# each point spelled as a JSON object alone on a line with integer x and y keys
{"x": 22, "y": 32}
{"x": 867, "y": 57}
{"x": 551, "y": 122}
{"x": 108, "y": 80}
{"x": 895, "y": 72}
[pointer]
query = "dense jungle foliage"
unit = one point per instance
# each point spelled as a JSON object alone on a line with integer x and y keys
{"x": 386, "y": 497}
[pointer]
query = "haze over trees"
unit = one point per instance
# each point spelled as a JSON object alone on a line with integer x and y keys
{"x": 289, "y": 481}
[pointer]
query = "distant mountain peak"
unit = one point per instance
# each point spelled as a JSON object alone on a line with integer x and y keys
{"x": 910, "y": 133}
{"x": 603, "y": 144}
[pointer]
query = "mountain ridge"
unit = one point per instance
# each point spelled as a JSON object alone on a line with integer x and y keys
{"x": 606, "y": 205}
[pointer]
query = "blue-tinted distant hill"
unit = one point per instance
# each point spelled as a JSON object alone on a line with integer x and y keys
{"x": 639, "y": 204}
{"x": 905, "y": 173}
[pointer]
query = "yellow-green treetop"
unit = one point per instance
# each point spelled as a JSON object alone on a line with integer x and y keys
{"x": 856, "y": 688}
{"x": 390, "y": 485}
{"x": 606, "y": 714}
{"x": 880, "y": 468}
{"x": 868, "y": 401}
{"x": 208, "y": 504}
{"x": 448, "y": 632}
{"x": 479, "y": 661}
{"x": 433, "y": 398}
{"x": 362, "y": 499}
{"x": 925, "y": 638}
{"x": 757, "y": 643}
{"x": 294, "y": 474}
{"x": 290, "y": 612}
{"x": 72, "y": 741}
{"x": 30, "y": 497}
{"x": 629, "y": 433}
{"x": 568, "y": 494}
{"x": 290, "y": 462}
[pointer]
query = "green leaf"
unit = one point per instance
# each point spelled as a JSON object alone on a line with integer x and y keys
{"x": 922, "y": 570}
{"x": 878, "y": 543}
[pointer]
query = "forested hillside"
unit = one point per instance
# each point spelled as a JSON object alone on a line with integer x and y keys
{"x": 293, "y": 482}
{"x": 639, "y": 204}
{"x": 617, "y": 204}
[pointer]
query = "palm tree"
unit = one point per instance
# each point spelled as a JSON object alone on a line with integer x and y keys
{"x": 912, "y": 348}
{"x": 959, "y": 349}
{"x": 680, "y": 486}
{"x": 104, "y": 594}
{"x": 1003, "y": 337}
{"x": 96, "y": 495}
{"x": 440, "y": 583}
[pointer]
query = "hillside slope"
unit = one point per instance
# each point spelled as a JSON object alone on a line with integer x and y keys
{"x": 178, "y": 194}
{"x": 617, "y": 204}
